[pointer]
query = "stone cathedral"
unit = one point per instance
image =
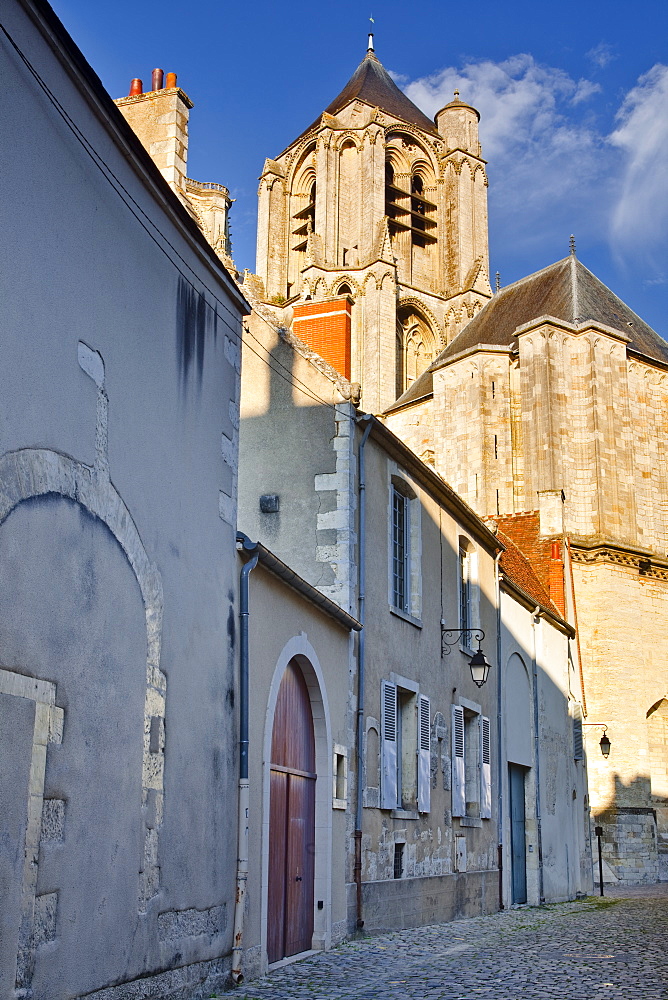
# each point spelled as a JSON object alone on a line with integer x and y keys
{"x": 545, "y": 405}
{"x": 377, "y": 203}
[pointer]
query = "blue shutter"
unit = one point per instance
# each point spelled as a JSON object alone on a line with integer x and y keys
{"x": 485, "y": 770}
{"x": 458, "y": 765}
{"x": 388, "y": 738}
{"x": 424, "y": 755}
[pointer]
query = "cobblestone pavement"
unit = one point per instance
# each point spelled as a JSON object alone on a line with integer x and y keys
{"x": 595, "y": 949}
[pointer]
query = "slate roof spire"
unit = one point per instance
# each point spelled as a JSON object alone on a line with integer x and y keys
{"x": 372, "y": 84}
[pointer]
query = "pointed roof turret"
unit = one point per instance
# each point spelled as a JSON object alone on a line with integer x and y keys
{"x": 372, "y": 84}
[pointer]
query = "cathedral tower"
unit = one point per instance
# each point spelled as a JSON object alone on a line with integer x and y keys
{"x": 379, "y": 214}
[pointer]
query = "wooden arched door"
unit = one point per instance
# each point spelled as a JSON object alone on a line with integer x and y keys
{"x": 291, "y": 820}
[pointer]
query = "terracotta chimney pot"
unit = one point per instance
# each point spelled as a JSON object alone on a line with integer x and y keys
{"x": 157, "y": 77}
{"x": 171, "y": 81}
{"x": 136, "y": 87}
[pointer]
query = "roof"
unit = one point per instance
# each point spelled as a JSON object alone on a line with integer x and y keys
{"x": 567, "y": 291}
{"x": 518, "y": 571}
{"x": 526, "y": 559}
{"x": 280, "y": 569}
{"x": 372, "y": 84}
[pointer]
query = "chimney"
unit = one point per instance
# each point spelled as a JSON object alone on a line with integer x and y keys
{"x": 160, "y": 120}
{"x": 556, "y": 578}
{"x": 325, "y": 327}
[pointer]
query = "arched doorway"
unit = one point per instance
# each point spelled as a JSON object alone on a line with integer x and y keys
{"x": 291, "y": 820}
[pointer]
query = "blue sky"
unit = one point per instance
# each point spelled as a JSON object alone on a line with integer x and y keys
{"x": 573, "y": 99}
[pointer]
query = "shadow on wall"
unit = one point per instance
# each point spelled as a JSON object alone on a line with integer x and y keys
{"x": 635, "y": 837}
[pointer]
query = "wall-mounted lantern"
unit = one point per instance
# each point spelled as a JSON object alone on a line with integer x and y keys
{"x": 479, "y": 664}
{"x": 604, "y": 742}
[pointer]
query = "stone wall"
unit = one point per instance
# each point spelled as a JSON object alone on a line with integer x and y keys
{"x": 622, "y": 611}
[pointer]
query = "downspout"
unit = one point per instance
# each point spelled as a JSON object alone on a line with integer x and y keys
{"x": 244, "y": 544}
{"x": 361, "y": 595}
{"x": 499, "y": 722}
{"x": 536, "y": 736}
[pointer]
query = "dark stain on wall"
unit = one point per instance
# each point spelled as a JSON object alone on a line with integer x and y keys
{"x": 231, "y": 626}
{"x": 195, "y": 320}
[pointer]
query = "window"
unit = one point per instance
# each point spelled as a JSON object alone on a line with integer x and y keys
{"x": 406, "y": 747}
{"x": 471, "y": 764}
{"x": 400, "y": 544}
{"x": 398, "y": 860}
{"x": 340, "y": 777}
{"x": 468, "y": 592}
{"x": 404, "y": 592}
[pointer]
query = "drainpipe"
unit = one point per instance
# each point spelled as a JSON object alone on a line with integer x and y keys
{"x": 244, "y": 544}
{"x": 499, "y": 722}
{"x": 536, "y": 736}
{"x": 361, "y": 579}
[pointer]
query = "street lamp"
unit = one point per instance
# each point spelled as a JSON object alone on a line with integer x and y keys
{"x": 604, "y": 742}
{"x": 479, "y": 664}
{"x": 605, "y": 745}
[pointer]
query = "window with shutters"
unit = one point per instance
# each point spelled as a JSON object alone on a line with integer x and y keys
{"x": 405, "y": 748}
{"x": 471, "y": 764}
{"x": 404, "y": 550}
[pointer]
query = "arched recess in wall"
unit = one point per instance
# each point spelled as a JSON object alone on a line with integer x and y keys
{"x": 299, "y": 663}
{"x": 657, "y": 724}
{"x": 416, "y": 346}
{"x": 348, "y": 204}
{"x": 518, "y": 712}
{"x": 36, "y": 473}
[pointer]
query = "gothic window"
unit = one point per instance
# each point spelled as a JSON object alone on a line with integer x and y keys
{"x": 415, "y": 348}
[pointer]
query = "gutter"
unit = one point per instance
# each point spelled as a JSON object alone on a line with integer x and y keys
{"x": 499, "y": 722}
{"x": 535, "y": 619}
{"x": 361, "y": 597}
{"x": 244, "y": 544}
{"x": 283, "y": 571}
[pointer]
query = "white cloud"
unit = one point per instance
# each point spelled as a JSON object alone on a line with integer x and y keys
{"x": 601, "y": 55}
{"x": 543, "y": 154}
{"x": 640, "y": 213}
{"x": 554, "y": 165}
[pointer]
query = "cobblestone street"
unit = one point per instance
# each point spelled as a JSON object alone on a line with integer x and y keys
{"x": 594, "y": 949}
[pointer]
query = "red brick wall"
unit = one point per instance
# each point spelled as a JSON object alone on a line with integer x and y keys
{"x": 325, "y": 327}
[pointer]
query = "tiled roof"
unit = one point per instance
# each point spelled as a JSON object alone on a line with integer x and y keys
{"x": 372, "y": 84}
{"x": 526, "y": 561}
{"x": 567, "y": 291}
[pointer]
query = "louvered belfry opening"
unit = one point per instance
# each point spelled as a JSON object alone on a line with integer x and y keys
{"x": 304, "y": 221}
{"x": 291, "y": 820}
{"x": 408, "y": 211}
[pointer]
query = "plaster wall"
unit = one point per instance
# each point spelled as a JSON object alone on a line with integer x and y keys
{"x": 117, "y": 536}
{"x": 407, "y": 649}
{"x": 295, "y": 417}
{"x": 558, "y": 857}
